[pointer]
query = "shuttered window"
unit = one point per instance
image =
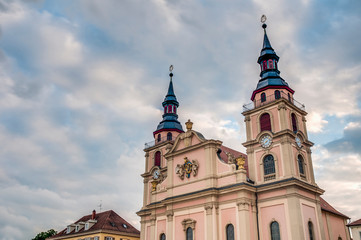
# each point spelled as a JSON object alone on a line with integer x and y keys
{"x": 265, "y": 122}
{"x": 157, "y": 159}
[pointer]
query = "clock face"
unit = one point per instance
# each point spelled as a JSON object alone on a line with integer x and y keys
{"x": 266, "y": 141}
{"x": 156, "y": 174}
{"x": 298, "y": 141}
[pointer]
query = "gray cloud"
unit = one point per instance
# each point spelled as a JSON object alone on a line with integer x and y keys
{"x": 81, "y": 90}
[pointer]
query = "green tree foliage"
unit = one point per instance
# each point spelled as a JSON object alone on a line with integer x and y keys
{"x": 44, "y": 235}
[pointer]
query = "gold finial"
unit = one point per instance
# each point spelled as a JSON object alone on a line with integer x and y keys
{"x": 189, "y": 125}
{"x": 170, "y": 71}
{"x": 263, "y": 18}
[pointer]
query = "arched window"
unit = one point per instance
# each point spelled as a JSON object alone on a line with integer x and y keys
{"x": 275, "y": 64}
{"x": 289, "y": 97}
{"x": 189, "y": 233}
{"x": 277, "y": 94}
{"x": 263, "y": 97}
{"x": 300, "y": 165}
{"x": 340, "y": 238}
{"x": 169, "y": 136}
{"x": 174, "y": 109}
{"x": 275, "y": 231}
{"x": 162, "y": 236}
{"x": 230, "y": 232}
{"x": 170, "y": 108}
{"x": 264, "y": 65}
{"x": 265, "y": 122}
{"x": 310, "y": 230}
{"x": 294, "y": 122}
{"x": 269, "y": 167}
{"x": 157, "y": 159}
{"x": 159, "y": 138}
{"x": 270, "y": 64}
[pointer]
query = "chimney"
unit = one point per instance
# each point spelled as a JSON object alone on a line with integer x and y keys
{"x": 93, "y": 214}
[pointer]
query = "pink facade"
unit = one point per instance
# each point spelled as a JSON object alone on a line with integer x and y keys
{"x": 203, "y": 190}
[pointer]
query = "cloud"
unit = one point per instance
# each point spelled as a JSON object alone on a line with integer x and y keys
{"x": 351, "y": 140}
{"x": 81, "y": 86}
{"x": 340, "y": 175}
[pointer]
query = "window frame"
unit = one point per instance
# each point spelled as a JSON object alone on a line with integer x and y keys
{"x": 265, "y": 124}
{"x": 263, "y": 97}
{"x": 229, "y": 237}
{"x": 301, "y": 164}
{"x": 311, "y": 234}
{"x": 156, "y": 159}
{"x": 294, "y": 122}
{"x": 277, "y": 94}
{"x": 269, "y": 170}
{"x": 278, "y": 229}
{"x": 161, "y": 236}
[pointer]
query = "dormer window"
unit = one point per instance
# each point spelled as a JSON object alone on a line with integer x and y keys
{"x": 86, "y": 227}
{"x": 68, "y": 229}
{"x": 77, "y": 228}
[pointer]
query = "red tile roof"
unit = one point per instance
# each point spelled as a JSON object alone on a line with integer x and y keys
{"x": 234, "y": 153}
{"x": 355, "y": 223}
{"x": 325, "y": 206}
{"x": 108, "y": 220}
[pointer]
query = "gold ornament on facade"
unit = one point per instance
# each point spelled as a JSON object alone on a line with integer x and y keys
{"x": 189, "y": 125}
{"x": 187, "y": 168}
{"x": 154, "y": 186}
{"x": 240, "y": 162}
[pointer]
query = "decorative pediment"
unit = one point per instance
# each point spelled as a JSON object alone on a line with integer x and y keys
{"x": 187, "y": 139}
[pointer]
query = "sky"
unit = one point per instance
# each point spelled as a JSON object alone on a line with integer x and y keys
{"x": 82, "y": 82}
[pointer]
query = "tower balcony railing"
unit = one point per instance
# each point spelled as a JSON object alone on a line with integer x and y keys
{"x": 158, "y": 141}
{"x": 271, "y": 98}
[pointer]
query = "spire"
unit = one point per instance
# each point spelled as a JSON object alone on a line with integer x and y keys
{"x": 268, "y": 61}
{"x": 170, "y": 95}
{"x": 267, "y": 50}
{"x": 170, "y": 104}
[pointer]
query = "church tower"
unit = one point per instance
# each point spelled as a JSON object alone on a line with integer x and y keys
{"x": 197, "y": 188}
{"x": 279, "y": 155}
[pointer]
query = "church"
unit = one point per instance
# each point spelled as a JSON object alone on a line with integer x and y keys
{"x": 197, "y": 188}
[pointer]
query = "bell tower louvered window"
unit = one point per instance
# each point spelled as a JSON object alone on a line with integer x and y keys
{"x": 157, "y": 159}
{"x": 294, "y": 122}
{"x": 265, "y": 122}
